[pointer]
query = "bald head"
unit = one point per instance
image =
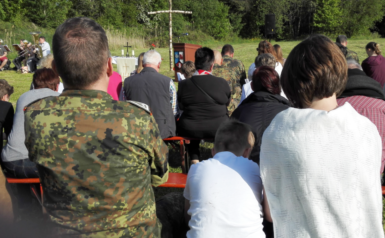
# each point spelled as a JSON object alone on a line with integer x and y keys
{"x": 218, "y": 57}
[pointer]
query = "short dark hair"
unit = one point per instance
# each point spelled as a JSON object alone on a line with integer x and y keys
{"x": 42, "y": 37}
{"x": 233, "y": 136}
{"x": 188, "y": 69}
{"x": 204, "y": 58}
{"x": 266, "y": 79}
{"x": 341, "y": 39}
{"x": 45, "y": 78}
{"x": 227, "y": 49}
{"x": 315, "y": 68}
{"x": 5, "y": 88}
{"x": 80, "y": 49}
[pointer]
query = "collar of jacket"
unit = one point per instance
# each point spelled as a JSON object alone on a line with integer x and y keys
{"x": 87, "y": 94}
{"x": 262, "y": 96}
{"x": 149, "y": 69}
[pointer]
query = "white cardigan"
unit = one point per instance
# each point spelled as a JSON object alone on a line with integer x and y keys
{"x": 320, "y": 173}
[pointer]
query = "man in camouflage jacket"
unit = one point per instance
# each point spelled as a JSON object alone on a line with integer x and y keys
{"x": 97, "y": 158}
{"x": 343, "y": 40}
{"x": 231, "y": 77}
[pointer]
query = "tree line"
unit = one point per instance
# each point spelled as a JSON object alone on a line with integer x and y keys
{"x": 217, "y": 18}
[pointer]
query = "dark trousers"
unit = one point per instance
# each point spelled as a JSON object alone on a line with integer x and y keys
{"x": 20, "y": 169}
{"x": 18, "y": 62}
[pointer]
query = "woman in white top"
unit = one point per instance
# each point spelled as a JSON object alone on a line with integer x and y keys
{"x": 320, "y": 162}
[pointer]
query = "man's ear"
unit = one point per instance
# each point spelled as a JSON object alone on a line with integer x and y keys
{"x": 110, "y": 68}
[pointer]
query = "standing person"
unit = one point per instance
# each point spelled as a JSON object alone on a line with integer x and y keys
{"x": 204, "y": 99}
{"x": 265, "y": 47}
{"x": 278, "y": 53}
{"x": 103, "y": 156}
{"x": 374, "y": 65}
{"x": 343, "y": 40}
{"x": 3, "y": 56}
{"x": 233, "y": 64}
{"x": 230, "y": 76}
{"x": 224, "y": 194}
{"x": 15, "y": 155}
{"x": 45, "y": 47}
{"x": 155, "y": 90}
{"x": 115, "y": 85}
{"x": 6, "y": 110}
{"x": 312, "y": 154}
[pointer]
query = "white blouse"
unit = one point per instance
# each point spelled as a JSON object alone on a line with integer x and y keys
{"x": 320, "y": 173}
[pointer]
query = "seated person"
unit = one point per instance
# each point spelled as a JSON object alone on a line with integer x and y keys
{"x": 157, "y": 91}
{"x": 261, "y": 106}
{"x": 224, "y": 194}
{"x": 6, "y": 110}
{"x": 320, "y": 160}
{"x": 18, "y": 61}
{"x": 188, "y": 69}
{"x": 97, "y": 158}
{"x": 15, "y": 155}
{"x": 366, "y": 96}
{"x": 140, "y": 65}
{"x": 3, "y": 56}
{"x": 260, "y": 60}
{"x": 203, "y": 99}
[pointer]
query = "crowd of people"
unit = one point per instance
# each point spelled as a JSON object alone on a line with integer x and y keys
{"x": 28, "y": 55}
{"x": 299, "y": 143}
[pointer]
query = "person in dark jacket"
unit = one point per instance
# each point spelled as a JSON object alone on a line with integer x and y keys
{"x": 374, "y": 65}
{"x": 204, "y": 99}
{"x": 155, "y": 91}
{"x": 6, "y": 111}
{"x": 261, "y": 106}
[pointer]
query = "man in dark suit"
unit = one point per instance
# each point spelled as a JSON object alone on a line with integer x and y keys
{"x": 155, "y": 90}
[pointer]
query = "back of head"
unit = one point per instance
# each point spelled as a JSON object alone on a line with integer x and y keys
{"x": 374, "y": 47}
{"x": 80, "y": 48}
{"x": 140, "y": 63}
{"x": 315, "y": 68}
{"x": 227, "y": 50}
{"x": 5, "y": 88}
{"x": 278, "y": 53}
{"x": 218, "y": 57}
{"x": 353, "y": 64}
{"x": 341, "y": 39}
{"x": 204, "y": 58}
{"x": 265, "y": 60}
{"x": 46, "y": 62}
{"x": 233, "y": 136}
{"x": 151, "y": 57}
{"x": 188, "y": 69}
{"x": 45, "y": 78}
{"x": 265, "y": 47}
{"x": 266, "y": 79}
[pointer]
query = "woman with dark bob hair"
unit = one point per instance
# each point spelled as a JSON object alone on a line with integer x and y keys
{"x": 320, "y": 162}
{"x": 203, "y": 99}
{"x": 15, "y": 155}
{"x": 374, "y": 65}
{"x": 261, "y": 106}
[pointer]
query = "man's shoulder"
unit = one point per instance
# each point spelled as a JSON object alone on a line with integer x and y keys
{"x": 231, "y": 62}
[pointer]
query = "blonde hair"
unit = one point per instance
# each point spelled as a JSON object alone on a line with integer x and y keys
{"x": 46, "y": 62}
{"x": 140, "y": 63}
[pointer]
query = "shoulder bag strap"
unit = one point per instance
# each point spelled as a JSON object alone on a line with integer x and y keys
{"x": 208, "y": 96}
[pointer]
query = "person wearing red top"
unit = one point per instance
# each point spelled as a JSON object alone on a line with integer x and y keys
{"x": 366, "y": 97}
{"x": 115, "y": 85}
{"x": 374, "y": 65}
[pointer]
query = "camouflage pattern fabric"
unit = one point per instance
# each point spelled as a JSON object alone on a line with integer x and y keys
{"x": 237, "y": 66}
{"x": 97, "y": 159}
{"x": 231, "y": 77}
{"x": 352, "y": 55}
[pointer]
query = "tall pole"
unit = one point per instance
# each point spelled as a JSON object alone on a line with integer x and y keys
{"x": 170, "y": 31}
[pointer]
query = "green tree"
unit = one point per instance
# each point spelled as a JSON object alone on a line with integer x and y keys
{"x": 328, "y": 15}
{"x": 47, "y": 13}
